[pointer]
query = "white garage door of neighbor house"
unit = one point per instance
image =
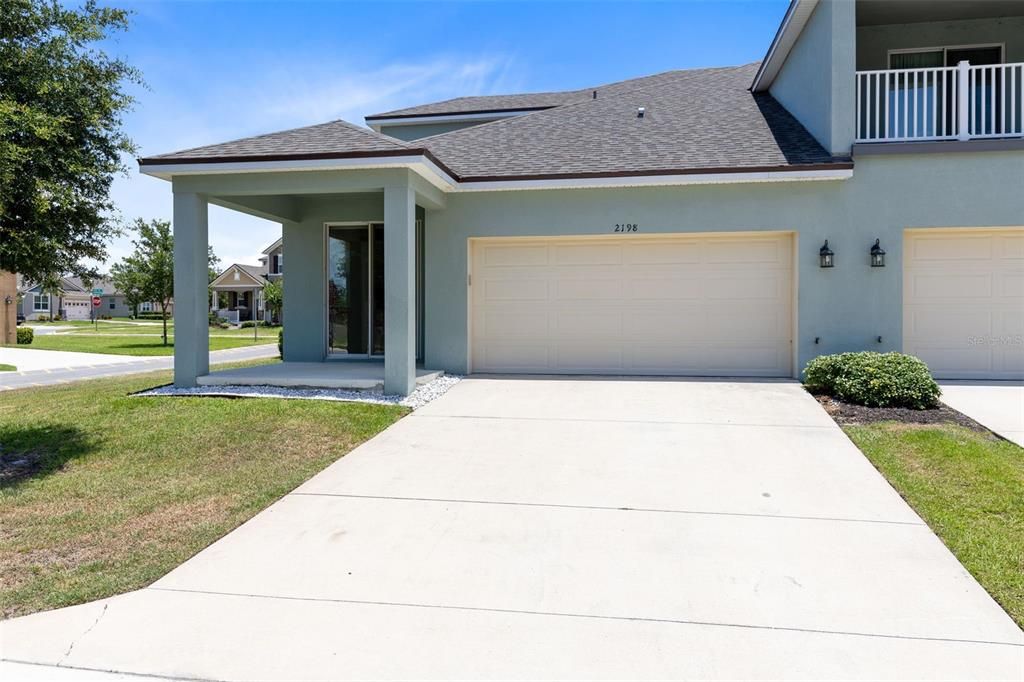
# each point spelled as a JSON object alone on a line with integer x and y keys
{"x": 669, "y": 305}
{"x": 77, "y": 310}
{"x": 963, "y": 302}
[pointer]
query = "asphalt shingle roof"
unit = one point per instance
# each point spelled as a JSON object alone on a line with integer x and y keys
{"x": 696, "y": 120}
{"x": 699, "y": 120}
{"x": 325, "y": 139}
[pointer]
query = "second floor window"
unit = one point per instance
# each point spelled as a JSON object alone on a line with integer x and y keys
{"x": 277, "y": 264}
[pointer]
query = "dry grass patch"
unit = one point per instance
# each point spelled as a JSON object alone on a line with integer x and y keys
{"x": 102, "y": 493}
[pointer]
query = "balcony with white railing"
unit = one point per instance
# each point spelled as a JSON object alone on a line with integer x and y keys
{"x": 962, "y": 102}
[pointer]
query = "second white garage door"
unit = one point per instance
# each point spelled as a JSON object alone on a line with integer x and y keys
{"x": 680, "y": 305}
{"x": 963, "y": 302}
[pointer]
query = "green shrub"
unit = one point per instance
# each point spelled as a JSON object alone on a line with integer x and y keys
{"x": 280, "y": 343}
{"x": 224, "y": 325}
{"x": 25, "y": 336}
{"x": 873, "y": 379}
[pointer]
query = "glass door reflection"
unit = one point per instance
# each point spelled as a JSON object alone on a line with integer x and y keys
{"x": 355, "y": 289}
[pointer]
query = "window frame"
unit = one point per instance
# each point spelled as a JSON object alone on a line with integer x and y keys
{"x": 37, "y": 299}
{"x": 944, "y": 49}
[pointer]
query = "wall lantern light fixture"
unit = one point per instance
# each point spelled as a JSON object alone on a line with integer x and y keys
{"x": 877, "y": 255}
{"x": 826, "y": 256}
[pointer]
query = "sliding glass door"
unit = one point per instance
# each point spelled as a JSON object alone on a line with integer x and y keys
{"x": 355, "y": 289}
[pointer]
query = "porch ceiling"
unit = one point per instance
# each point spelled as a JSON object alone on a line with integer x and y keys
{"x": 879, "y": 12}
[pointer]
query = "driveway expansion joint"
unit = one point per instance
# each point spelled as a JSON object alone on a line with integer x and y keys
{"x": 611, "y": 420}
{"x": 549, "y": 505}
{"x": 560, "y": 614}
{"x": 112, "y": 671}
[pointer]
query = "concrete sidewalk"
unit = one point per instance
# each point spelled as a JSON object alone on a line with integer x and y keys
{"x": 60, "y": 367}
{"x": 565, "y": 529}
{"x": 996, "y": 405}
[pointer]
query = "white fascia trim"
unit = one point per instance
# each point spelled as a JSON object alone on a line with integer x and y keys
{"x": 656, "y": 180}
{"x": 427, "y": 119}
{"x": 422, "y": 165}
{"x": 793, "y": 23}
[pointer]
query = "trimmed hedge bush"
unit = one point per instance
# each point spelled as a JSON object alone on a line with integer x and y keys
{"x": 25, "y": 336}
{"x": 874, "y": 379}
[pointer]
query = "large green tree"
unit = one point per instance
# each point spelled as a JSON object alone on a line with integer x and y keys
{"x": 62, "y": 140}
{"x": 149, "y": 270}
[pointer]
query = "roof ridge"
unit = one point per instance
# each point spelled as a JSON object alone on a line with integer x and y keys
{"x": 562, "y": 107}
{"x": 582, "y": 92}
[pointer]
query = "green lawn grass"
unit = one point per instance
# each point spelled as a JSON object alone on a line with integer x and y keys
{"x": 7, "y": 368}
{"x": 968, "y": 486}
{"x": 102, "y": 493}
{"x": 132, "y": 344}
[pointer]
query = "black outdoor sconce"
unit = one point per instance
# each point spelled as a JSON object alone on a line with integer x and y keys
{"x": 825, "y": 255}
{"x": 877, "y": 255}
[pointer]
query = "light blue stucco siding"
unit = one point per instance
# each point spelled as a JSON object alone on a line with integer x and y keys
{"x": 847, "y": 307}
{"x": 410, "y": 131}
{"x": 305, "y": 285}
{"x": 816, "y": 82}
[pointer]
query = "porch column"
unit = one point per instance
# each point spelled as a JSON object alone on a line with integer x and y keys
{"x": 213, "y": 301}
{"x": 191, "y": 325}
{"x": 399, "y": 289}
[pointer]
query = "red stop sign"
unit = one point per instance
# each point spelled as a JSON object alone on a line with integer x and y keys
{"x": 96, "y": 301}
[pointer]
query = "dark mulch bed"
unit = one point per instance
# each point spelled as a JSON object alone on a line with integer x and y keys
{"x": 847, "y": 413}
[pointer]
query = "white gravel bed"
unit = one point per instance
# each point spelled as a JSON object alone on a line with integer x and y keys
{"x": 418, "y": 398}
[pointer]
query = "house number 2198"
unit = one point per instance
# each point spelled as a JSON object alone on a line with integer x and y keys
{"x": 626, "y": 227}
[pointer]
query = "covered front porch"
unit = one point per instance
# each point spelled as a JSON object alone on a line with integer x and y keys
{"x": 352, "y": 299}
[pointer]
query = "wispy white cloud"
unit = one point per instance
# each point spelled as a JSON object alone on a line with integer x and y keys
{"x": 286, "y": 91}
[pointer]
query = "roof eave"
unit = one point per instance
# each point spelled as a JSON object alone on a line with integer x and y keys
{"x": 797, "y": 14}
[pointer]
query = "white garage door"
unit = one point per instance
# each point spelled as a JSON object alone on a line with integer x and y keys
{"x": 682, "y": 305}
{"x": 963, "y": 302}
{"x": 77, "y": 310}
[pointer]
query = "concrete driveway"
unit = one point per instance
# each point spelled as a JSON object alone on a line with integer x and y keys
{"x": 997, "y": 405}
{"x": 567, "y": 529}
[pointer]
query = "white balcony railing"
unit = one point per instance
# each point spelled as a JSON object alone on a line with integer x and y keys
{"x": 960, "y": 102}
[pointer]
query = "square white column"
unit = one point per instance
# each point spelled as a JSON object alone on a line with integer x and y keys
{"x": 191, "y": 274}
{"x": 399, "y": 289}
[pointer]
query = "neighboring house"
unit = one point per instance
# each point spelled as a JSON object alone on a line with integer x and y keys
{"x": 71, "y": 301}
{"x": 237, "y": 293}
{"x": 714, "y": 221}
{"x": 74, "y": 301}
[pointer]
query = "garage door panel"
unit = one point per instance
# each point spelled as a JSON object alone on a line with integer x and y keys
{"x": 669, "y": 305}
{"x": 505, "y": 255}
{"x": 587, "y": 254}
{"x": 588, "y": 325}
{"x": 944, "y": 286}
{"x": 744, "y": 252}
{"x": 510, "y": 323}
{"x": 598, "y": 288}
{"x": 954, "y": 321}
{"x": 1010, "y": 247}
{"x": 676, "y": 252}
{"x": 514, "y": 290}
{"x": 964, "y": 302}
{"x": 665, "y": 289}
{"x": 958, "y": 248}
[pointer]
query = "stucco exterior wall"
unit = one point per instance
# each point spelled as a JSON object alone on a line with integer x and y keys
{"x": 305, "y": 287}
{"x": 415, "y": 132}
{"x": 816, "y": 83}
{"x": 848, "y": 306}
{"x": 874, "y": 42}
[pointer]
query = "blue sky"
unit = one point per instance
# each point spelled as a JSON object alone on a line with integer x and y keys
{"x": 217, "y": 71}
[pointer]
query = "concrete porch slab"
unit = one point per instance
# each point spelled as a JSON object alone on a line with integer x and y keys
{"x": 350, "y": 374}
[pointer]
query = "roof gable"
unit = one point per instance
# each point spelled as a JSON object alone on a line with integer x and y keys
{"x": 247, "y": 275}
